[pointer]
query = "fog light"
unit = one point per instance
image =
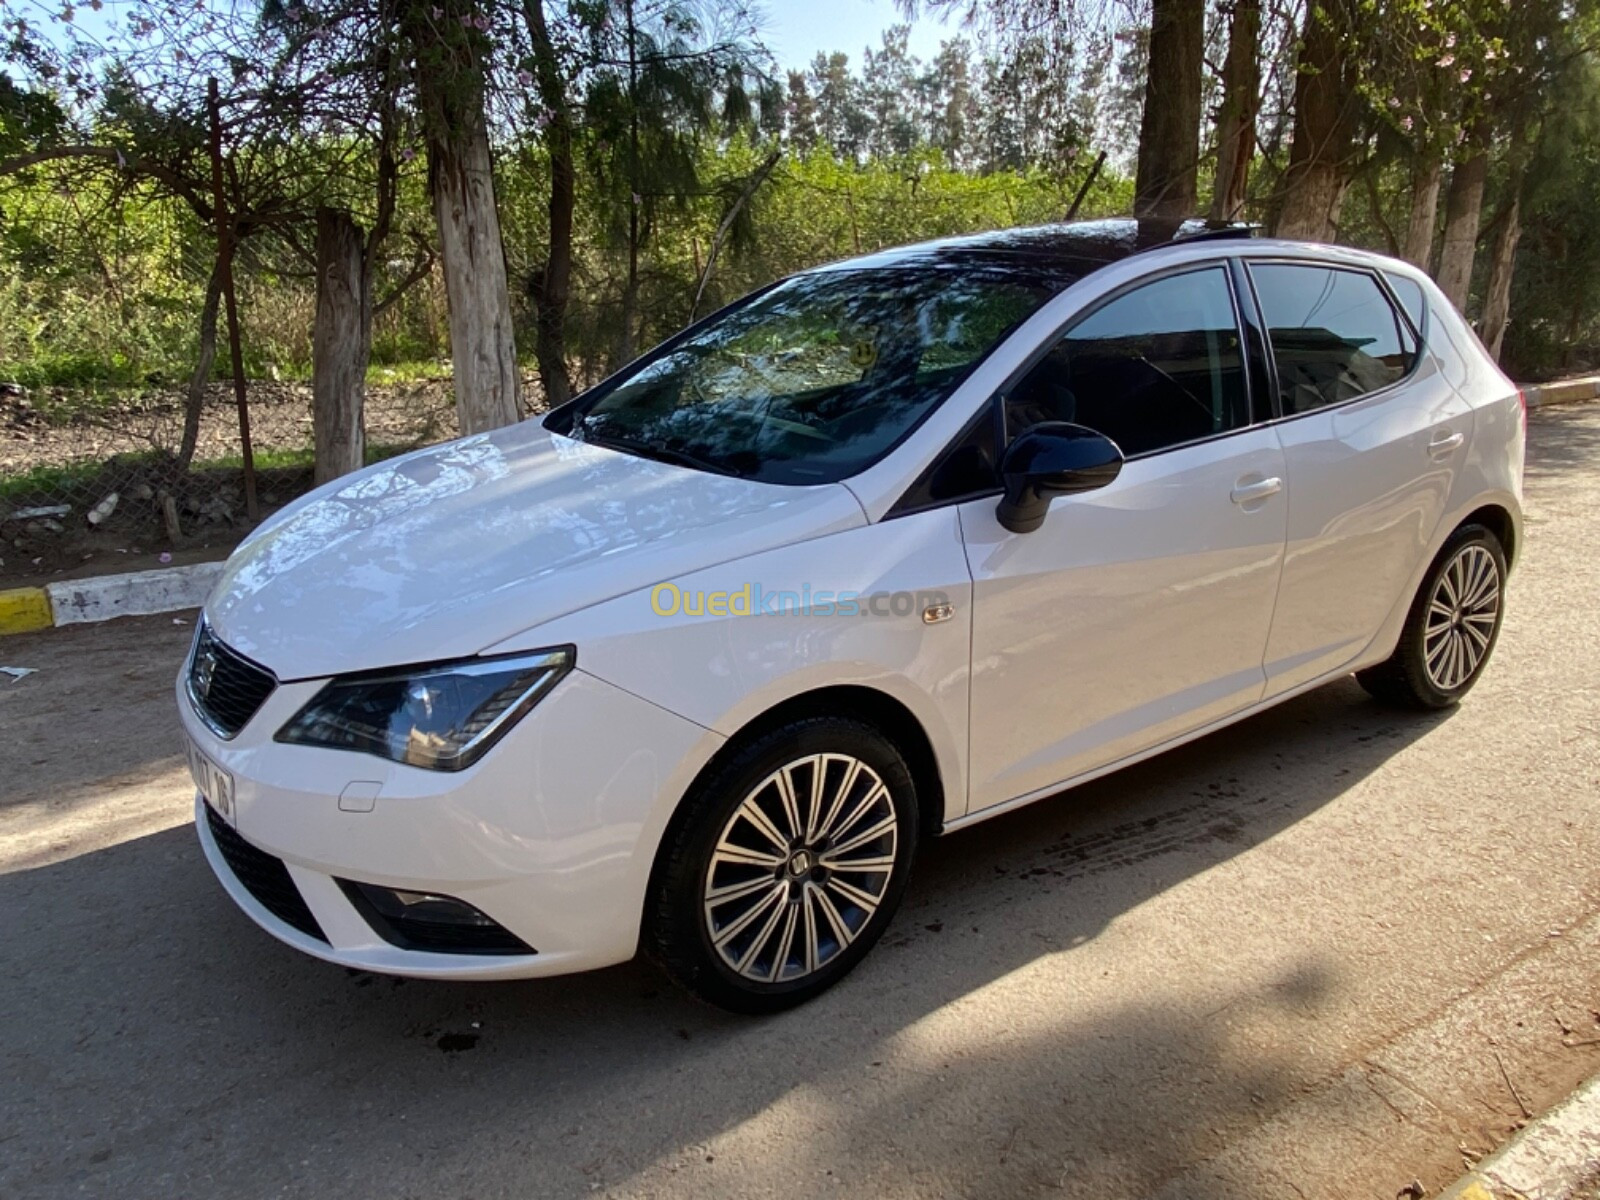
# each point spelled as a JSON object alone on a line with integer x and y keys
{"x": 431, "y": 922}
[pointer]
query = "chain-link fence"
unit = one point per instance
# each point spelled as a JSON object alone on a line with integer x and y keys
{"x": 92, "y": 476}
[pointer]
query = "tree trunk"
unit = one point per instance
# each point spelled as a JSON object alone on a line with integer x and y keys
{"x": 194, "y": 401}
{"x": 756, "y": 179}
{"x": 553, "y": 286}
{"x": 1502, "y": 265}
{"x": 1169, "y": 129}
{"x": 1236, "y": 121}
{"x": 630, "y": 291}
{"x": 1325, "y": 110}
{"x": 1462, "y": 209}
{"x": 449, "y": 82}
{"x": 340, "y": 346}
{"x": 1425, "y": 179}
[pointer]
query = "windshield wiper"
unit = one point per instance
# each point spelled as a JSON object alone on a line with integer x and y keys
{"x": 666, "y": 454}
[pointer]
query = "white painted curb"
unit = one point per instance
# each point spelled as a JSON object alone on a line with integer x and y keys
{"x": 1564, "y": 391}
{"x": 135, "y": 594}
{"x": 1549, "y": 1160}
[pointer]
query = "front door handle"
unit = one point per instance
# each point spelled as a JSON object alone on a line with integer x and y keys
{"x": 1250, "y": 493}
{"x": 1445, "y": 444}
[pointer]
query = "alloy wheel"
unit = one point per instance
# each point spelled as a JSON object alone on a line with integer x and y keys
{"x": 800, "y": 868}
{"x": 1462, "y": 611}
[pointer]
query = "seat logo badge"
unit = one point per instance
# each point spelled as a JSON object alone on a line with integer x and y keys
{"x": 935, "y": 613}
{"x": 205, "y": 666}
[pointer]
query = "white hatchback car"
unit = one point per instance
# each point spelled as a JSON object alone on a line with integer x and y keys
{"x": 697, "y": 660}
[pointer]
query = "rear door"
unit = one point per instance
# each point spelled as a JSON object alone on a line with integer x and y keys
{"x": 1372, "y": 436}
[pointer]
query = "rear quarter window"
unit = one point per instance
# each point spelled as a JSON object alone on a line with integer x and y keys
{"x": 1409, "y": 293}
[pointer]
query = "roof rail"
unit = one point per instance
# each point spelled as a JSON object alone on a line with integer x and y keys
{"x": 1161, "y": 233}
{"x": 1219, "y": 233}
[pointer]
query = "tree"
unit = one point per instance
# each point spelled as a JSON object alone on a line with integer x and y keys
{"x": 1236, "y": 117}
{"x": 841, "y": 119}
{"x": 889, "y": 88}
{"x": 551, "y": 283}
{"x": 952, "y": 101}
{"x": 1462, "y": 209}
{"x": 661, "y": 80}
{"x": 1169, "y": 131}
{"x": 800, "y": 113}
{"x": 1327, "y": 108}
{"x": 450, "y": 50}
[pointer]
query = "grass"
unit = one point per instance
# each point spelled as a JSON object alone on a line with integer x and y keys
{"x": 55, "y": 484}
{"x": 425, "y": 370}
{"x": 39, "y": 483}
{"x": 86, "y": 373}
{"x": 273, "y": 459}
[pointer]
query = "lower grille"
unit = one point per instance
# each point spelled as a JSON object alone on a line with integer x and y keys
{"x": 264, "y": 877}
{"x": 423, "y": 921}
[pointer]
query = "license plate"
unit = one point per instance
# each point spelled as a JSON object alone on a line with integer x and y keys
{"x": 215, "y": 784}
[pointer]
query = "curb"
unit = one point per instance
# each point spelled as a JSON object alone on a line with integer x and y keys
{"x": 1549, "y": 1160}
{"x": 1567, "y": 391}
{"x": 80, "y": 601}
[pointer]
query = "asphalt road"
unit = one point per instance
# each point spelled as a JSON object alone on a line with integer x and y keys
{"x": 1327, "y": 952}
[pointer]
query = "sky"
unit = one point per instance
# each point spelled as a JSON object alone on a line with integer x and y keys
{"x": 796, "y": 29}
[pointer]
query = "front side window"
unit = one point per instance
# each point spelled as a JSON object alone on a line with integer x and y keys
{"x": 1154, "y": 368}
{"x": 1334, "y": 334}
{"x": 815, "y": 379}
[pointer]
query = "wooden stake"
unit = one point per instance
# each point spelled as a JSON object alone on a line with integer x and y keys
{"x": 1094, "y": 173}
{"x": 225, "y": 248}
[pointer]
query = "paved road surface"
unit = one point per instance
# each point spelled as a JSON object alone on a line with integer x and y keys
{"x": 1323, "y": 953}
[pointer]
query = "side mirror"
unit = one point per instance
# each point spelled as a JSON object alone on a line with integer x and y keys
{"x": 1054, "y": 458}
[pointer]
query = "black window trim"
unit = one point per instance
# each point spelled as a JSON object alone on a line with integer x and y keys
{"x": 1418, "y": 331}
{"x": 1397, "y": 309}
{"x": 996, "y": 399}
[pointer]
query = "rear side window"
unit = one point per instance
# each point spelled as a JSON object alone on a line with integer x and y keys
{"x": 1156, "y": 367}
{"x": 1335, "y": 336}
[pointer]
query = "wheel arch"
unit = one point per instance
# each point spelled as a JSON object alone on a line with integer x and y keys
{"x": 1499, "y": 514}
{"x": 871, "y": 706}
{"x": 1497, "y": 519}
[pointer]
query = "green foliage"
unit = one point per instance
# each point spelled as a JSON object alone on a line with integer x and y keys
{"x": 28, "y": 118}
{"x": 1555, "y": 306}
{"x": 815, "y": 208}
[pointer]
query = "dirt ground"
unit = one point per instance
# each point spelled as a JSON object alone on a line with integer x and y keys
{"x": 129, "y": 442}
{"x": 1325, "y": 953}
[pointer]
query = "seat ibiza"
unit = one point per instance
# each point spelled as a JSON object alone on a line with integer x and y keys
{"x": 695, "y": 662}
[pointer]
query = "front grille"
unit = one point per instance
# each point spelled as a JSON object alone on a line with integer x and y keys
{"x": 225, "y": 687}
{"x": 264, "y": 877}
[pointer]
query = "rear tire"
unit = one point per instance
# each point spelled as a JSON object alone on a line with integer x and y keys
{"x": 1451, "y": 629}
{"x": 784, "y": 865}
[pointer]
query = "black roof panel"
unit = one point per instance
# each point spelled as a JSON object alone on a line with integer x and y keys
{"x": 1080, "y": 245}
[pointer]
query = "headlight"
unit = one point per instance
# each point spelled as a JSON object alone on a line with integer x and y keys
{"x": 441, "y": 717}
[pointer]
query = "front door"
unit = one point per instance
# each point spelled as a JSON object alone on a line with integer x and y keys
{"x": 1140, "y": 611}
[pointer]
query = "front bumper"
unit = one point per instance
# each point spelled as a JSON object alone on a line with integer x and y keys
{"x": 552, "y": 835}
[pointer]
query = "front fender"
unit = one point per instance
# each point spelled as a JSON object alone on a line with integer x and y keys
{"x": 722, "y": 669}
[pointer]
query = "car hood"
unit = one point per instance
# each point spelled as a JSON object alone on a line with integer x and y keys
{"x": 443, "y": 552}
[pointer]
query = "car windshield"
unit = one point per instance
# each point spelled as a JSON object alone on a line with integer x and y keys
{"x": 815, "y": 379}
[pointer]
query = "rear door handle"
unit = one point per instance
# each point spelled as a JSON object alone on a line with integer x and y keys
{"x": 1445, "y": 444}
{"x": 1249, "y": 493}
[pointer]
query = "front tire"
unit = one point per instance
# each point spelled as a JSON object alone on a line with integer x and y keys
{"x": 785, "y": 865}
{"x": 1451, "y": 629}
